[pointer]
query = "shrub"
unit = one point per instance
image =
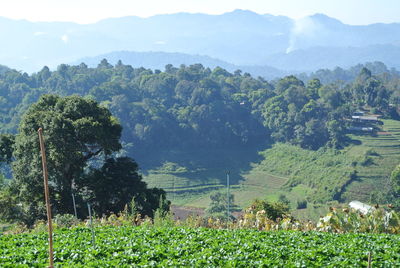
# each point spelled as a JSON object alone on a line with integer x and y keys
{"x": 65, "y": 220}
{"x": 283, "y": 199}
{"x": 371, "y": 152}
{"x": 301, "y": 204}
{"x": 273, "y": 211}
{"x": 367, "y": 161}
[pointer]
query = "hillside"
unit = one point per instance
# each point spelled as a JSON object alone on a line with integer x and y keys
{"x": 318, "y": 57}
{"x": 298, "y": 174}
{"x": 187, "y": 126}
{"x": 158, "y": 60}
{"x": 3, "y": 69}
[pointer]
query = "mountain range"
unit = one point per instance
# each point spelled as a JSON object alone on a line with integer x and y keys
{"x": 236, "y": 39}
{"x": 158, "y": 60}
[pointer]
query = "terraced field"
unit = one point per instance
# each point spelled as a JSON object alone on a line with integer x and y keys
{"x": 284, "y": 169}
{"x": 375, "y": 176}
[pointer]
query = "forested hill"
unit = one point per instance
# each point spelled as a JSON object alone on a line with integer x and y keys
{"x": 210, "y": 117}
{"x": 339, "y": 74}
{"x": 158, "y": 60}
{"x": 196, "y": 106}
{"x": 4, "y": 69}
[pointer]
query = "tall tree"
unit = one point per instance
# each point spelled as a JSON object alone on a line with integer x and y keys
{"x": 6, "y": 147}
{"x": 76, "y": 130}
{"x": 395, "y": 180}
{"x": 113, "y": 186}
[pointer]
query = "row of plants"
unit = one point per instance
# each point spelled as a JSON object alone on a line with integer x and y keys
{"x": 261, "y": 236}
{"x": 124, "y": 246}
{"x": 262, "y": 216}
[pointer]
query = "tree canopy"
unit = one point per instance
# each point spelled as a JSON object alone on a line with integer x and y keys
{"x": 180, "y": 108}
{"x": 194, "y": 106}
{"x": 80, "y": 135}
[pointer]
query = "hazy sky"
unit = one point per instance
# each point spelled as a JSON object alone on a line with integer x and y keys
{"x": 88, "y": 11}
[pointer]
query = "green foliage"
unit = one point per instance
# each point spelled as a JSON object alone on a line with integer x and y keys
{"x": 273, "y": 210}
{"x": 6, "y": 147}
{"x": 187, "y": 247}
{"x": 283, "y": 199}
{"x": 301, "y": 204}
{"x": 324, "y": 171}
{"x": 395, "y": 177}
{"x": 378, "y": 220}
{"x": 65, "y": 220}
{"x": 75, "y": 130}
{"x": 395, "y": 181}
{"x": 367, "y": 161}
{"x": 193, "y": 107}
{"x": 111, "y": 187}
{"x": 170, "y": 167}
{"x": 2, "y": 181}
{"x": 219, "y": 205}
{"x": 10, "y": 211}
{"x": 305, "y": 116}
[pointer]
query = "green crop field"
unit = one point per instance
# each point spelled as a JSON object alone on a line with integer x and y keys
{"x": 186, "y": 247}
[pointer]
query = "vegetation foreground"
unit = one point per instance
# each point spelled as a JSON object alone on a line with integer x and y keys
{"x": 125, "y": 246}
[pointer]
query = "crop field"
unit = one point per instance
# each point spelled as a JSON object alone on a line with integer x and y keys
{"x": 200, "y": 247}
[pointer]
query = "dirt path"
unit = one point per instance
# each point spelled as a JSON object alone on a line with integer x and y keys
{"x": 182, "y": 213}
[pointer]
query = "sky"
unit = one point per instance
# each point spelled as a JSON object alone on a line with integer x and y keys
{"x": 355, "y": 12}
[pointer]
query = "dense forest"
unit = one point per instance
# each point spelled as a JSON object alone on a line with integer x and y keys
{"x": 189, "y": 107}
{"x": 196, "y": 106}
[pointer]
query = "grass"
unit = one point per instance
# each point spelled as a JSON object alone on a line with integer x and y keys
{"x": 261, "y": 172}
{"x": 375, "y": 177}
{"x": 321, "y": 174}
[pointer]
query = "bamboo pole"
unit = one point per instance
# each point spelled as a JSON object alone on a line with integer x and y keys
{"x": 91, "y": 224}
{"x": 46, "y": 194}
{"x": 369, "y": 259}
{"x": 73, "y": 203}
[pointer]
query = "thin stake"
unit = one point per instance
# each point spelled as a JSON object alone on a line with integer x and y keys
{"x": 91, "y": 224}
{"x": 73, "y": 201}
{"x": 46, "y": 194}
{"x": 227, "y": 183}
{"x": 369, "y": 259}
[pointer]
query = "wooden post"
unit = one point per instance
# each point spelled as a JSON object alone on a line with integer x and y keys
{"x": 91, "y": 224}
{"x": 46, "y": 194}
{"x": 369, "y": 259}
{"x": 73, "y": 203}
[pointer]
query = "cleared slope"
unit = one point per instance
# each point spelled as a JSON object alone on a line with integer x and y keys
{"x": 358, "y": 172}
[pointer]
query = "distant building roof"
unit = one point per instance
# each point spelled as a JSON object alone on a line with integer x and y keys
{"x": 363, "y": 208}
{"x": 367, "y": 129}
{"x": 364, "y": 117}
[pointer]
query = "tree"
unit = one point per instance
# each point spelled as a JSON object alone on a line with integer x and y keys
{"x": 6, "y": 150}
{"x": 272, "y": 210}
{"x": 219, "y": 205}
{"x": 6, "y": 147}
{"x": 395, "y": 181}
{"x": 114, "y": 185}
{"x": 76, "y": 130}
{"x": 80, "y": 137}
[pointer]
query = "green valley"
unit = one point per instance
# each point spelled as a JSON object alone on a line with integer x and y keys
{"x": 360, "y": 171}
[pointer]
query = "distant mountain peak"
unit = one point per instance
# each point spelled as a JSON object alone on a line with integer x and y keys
{"x": 243, "y": 12}
{"x": 325, "y": 19}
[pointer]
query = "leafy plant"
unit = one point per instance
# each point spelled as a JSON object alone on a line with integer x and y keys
{"x": 126, "y": 246}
